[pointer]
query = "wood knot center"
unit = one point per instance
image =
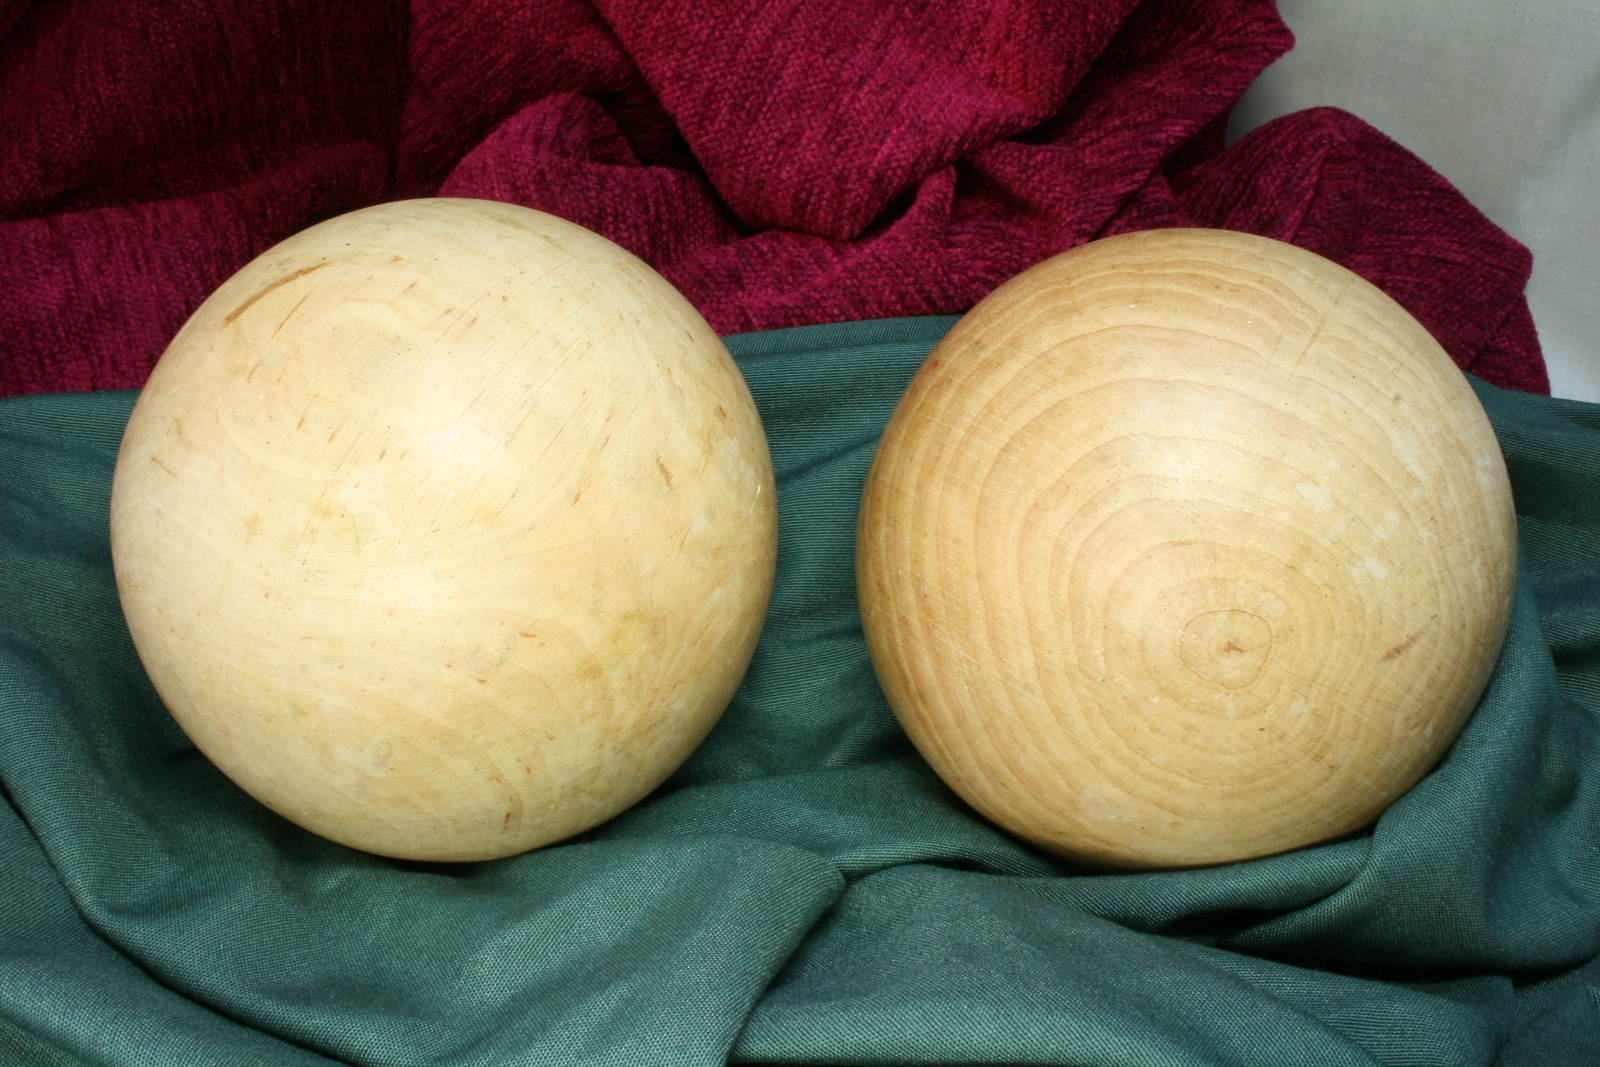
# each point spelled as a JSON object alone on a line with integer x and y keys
{"x": 1226, "y": 647}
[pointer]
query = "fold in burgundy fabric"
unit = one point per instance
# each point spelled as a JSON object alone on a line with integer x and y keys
{"x": 782, "y": 163}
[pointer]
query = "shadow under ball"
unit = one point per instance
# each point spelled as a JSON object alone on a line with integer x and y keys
{"x": 1185, "y": 547}
{"x": 445, "y": 528}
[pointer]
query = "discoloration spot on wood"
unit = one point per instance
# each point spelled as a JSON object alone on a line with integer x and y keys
{"x": 1404, "y": 646}
{"x": 665, "y": 474}
{"x": 285, "y": 280}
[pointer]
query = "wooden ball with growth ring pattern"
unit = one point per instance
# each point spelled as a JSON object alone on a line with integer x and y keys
{"x": 445, "y": 528}
{"x": 1185, "y": 547}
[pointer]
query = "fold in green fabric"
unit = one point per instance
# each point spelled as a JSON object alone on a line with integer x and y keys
{"x": 804, "y": 889}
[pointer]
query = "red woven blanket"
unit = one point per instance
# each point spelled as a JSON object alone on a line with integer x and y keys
{"x": 781, "y": 162}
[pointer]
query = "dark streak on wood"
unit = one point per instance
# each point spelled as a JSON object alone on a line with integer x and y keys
{"x": 285, "y": 280}
{"x": 292, "y": 310}
{"x": 1404, "y": 646}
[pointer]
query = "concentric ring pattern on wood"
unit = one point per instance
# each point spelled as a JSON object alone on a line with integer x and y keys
{"x": 1185, "y": 547}
{"x": 446, "y": 529}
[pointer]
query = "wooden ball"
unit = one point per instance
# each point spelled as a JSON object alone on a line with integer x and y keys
{"x": 1185, "y": 547}
{"x": 445, "y": 529}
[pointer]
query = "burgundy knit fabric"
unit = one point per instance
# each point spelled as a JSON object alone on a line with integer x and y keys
{"x": 782, "y": 163}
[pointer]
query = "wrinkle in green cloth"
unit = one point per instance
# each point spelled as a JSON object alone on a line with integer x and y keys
{"x": 804, "y": 889}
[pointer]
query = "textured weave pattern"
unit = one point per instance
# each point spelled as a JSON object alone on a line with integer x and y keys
{"x": 804, "y": 889}
{"x": 782, "y": 163}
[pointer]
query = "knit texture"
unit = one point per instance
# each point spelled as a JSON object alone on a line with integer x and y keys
{"x": 783, "y": 163}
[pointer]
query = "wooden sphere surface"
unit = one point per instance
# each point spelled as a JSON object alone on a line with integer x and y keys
{"x": 445, "y": 528}
{"x": 1185, "y": 547}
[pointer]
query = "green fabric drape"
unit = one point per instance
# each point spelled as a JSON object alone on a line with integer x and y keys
{"x": 804, "y": 889}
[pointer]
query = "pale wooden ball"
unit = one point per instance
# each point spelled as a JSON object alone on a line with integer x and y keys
{"x": 445, "y": 528}
{"x": 1185, "y": 547}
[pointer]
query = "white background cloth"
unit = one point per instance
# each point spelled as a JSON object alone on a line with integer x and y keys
{"x": 1503, "y": 99}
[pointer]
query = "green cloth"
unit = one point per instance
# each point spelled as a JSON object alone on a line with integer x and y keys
{"x": 804, "y": 889}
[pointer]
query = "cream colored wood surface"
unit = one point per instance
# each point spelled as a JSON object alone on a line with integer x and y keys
{"x": 1185, "y": 547}
{"x": 446, "y": 529}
